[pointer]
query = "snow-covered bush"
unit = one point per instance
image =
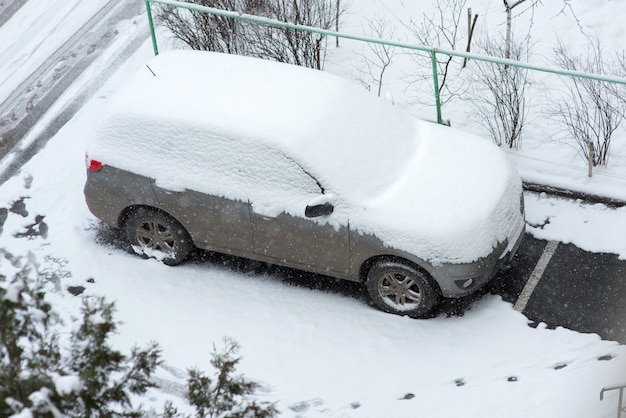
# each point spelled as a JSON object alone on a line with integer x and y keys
{"x": 441, "y": 29}
{"x": 46, "y": 373}
{"x": 375, "y": 58}
{"x": 226, "y": 395}
{"x": 500, "y": 93}
{"x": 38, "y": 377}
{"x": 590, "y": 111}
{"x": 208, "y": 32}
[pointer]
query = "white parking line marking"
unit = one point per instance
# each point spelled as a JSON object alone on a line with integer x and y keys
{"x": 529, "y": 288}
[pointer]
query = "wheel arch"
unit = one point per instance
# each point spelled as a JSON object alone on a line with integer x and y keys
{"x": 367, "y": 265}
{"x": 128, "y": 211}
{"x": 125, "y": 215}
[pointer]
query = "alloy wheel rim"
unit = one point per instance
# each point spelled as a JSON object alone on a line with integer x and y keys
{"x": 398, "y": 289}
{"x": 155, "y": 236}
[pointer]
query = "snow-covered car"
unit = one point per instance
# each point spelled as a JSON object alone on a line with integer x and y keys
{"x": 301, "y": 168}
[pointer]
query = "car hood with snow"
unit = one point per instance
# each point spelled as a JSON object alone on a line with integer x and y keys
{"x": 457, "y": 199}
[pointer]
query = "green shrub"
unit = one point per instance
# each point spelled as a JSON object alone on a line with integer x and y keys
{"x": 39, "y": 378}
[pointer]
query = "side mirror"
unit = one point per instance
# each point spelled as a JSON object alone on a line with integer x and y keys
{"x": 320, "y": 206}
{"x": 314, "y": 211}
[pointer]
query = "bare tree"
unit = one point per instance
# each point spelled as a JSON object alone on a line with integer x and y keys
{"x": 590, "y": 110}
{"x": 439, "y": 30}
{"x": 374, "y": 61}
{"x": 509, "y": 5}
{"x": 501, "y": 92}
{"x": 293, "y": 46}
{"x": 204, "y": 31}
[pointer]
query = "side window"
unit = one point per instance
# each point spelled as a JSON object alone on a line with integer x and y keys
{"x": 273, "y": 183}
{"x": 239, "y": 170}
{"x": 265, "y": 172}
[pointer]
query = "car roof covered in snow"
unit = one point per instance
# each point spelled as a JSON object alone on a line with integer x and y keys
{"x": 335, "y": 129}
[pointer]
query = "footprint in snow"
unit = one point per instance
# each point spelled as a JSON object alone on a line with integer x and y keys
{"x": 304, "y": 406}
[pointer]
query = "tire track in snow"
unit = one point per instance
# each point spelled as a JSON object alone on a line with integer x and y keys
{"x": 8, "y": 9}
{"x": 33, "y": 97}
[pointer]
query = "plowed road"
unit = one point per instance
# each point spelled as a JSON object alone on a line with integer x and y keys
{"x": 22, "y": 109}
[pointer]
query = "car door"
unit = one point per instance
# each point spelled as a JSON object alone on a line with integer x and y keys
{"x": 283, "y": 233}
{"x": 215, "y": 222}
{"x": 209, "y": 194}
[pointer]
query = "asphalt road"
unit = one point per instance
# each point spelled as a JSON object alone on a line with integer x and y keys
{"x": 579, "y": 290}
{"x": 576, "y": 289}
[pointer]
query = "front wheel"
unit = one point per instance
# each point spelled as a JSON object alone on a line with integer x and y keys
{"x": 400, "y": 288}
{"x": 157, "y": 235}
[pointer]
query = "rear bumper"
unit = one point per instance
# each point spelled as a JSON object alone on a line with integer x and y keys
{"x": 110, "y": 191}
{"x": 100, "y": 199}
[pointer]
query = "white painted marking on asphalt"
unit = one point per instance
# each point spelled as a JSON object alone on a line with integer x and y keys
{"x": 529, "y": 288}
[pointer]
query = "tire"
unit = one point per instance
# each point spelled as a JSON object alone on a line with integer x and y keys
{"x": 158, "y": 235}
{"x": 400, "y": 288}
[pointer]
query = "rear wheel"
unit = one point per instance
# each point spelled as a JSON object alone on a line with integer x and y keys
{"x": 158, "y": 235}
{"x": 400, "y": 288}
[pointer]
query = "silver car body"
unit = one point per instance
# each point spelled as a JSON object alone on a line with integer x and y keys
{"x": 240, "y": 184}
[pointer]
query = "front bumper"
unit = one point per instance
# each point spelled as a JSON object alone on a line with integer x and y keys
{"x": 457, "y": 280}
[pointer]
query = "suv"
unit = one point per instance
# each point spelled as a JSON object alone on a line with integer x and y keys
{"x": 300, "y": 168}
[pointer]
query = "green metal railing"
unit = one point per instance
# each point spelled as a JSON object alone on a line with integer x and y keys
{"x": 430, "y": 50}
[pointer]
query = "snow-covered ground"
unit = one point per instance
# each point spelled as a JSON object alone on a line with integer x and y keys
{"x": 41, "y": 28}
{"x": 321, "y": 353}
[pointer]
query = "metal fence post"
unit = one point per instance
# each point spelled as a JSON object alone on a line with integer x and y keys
{"x": 433, "y": 59}
{"x": 151, "y": 25}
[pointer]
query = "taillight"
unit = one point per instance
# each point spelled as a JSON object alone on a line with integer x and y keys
{"x": 94, "y": 165}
